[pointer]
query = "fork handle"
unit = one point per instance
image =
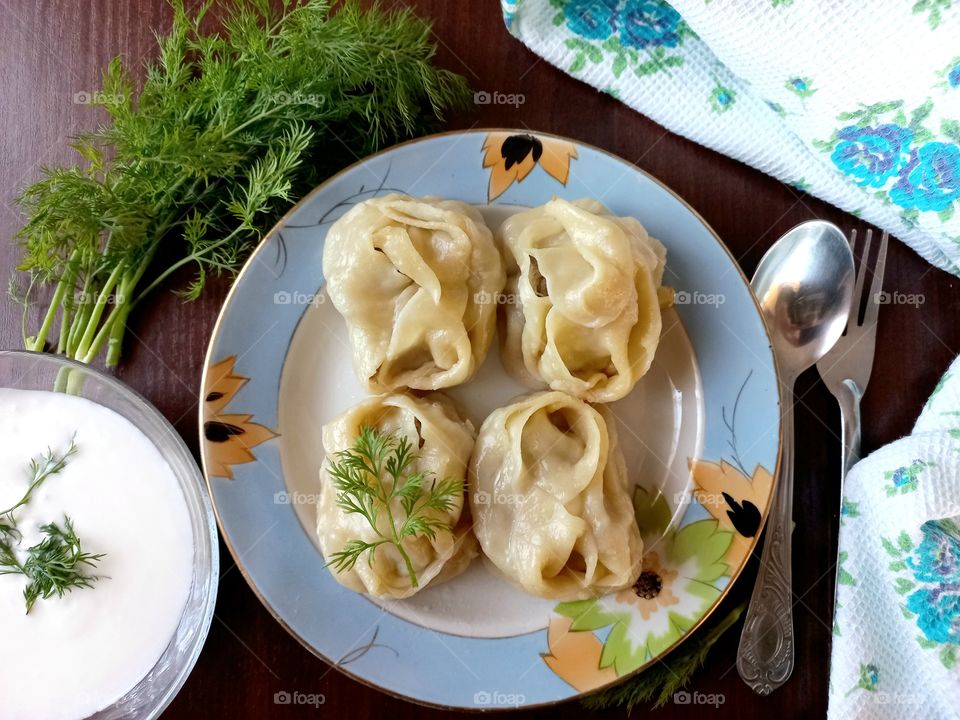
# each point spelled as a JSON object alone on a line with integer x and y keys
{"x": 849, "y": 395}
{"x": 765, "y": 656}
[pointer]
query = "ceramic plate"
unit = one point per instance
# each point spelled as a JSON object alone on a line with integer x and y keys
{"x": 700, "y": 433}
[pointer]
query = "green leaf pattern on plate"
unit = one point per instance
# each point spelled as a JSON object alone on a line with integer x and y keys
{"x": 681, "y": 579}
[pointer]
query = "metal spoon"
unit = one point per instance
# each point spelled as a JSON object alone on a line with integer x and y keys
{"x": 804, "y": 284}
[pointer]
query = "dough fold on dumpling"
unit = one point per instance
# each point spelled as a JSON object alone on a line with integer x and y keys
{"x": 548, "y": 492}
{"x": 443, "y": 441}
{"x": 581, "y": 311}
{"x": 417, "y": 281}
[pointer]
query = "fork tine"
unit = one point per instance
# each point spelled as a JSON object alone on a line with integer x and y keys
{"x": 854, "y": 311}
{"x": 861, "y": 277}
{"x": 876, "y": 285}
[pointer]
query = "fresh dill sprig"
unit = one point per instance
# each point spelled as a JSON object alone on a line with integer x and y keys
{"x": 661, "y": 681}
{"x": 40, "y": 468}
{"x": 371, "y": 480}
{"x": 231, "y": 125}
{"x": 58, "y": 563}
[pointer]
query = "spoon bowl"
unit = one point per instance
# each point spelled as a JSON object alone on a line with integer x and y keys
{"x": 804, "y": 284}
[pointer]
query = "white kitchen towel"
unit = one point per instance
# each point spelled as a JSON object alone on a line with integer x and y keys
{"x": 896, "y": 645}
{"x": 855, "y": 102}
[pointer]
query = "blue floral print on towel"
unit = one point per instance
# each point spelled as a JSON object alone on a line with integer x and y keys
{"x": 649, "y": 23}
{"x": 872, "y": 155}
{"x": 592, "y": 19}
{"x": 936, "y": 562}
{"x": 931, "y": 180}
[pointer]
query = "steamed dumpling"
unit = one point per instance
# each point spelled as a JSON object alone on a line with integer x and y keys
{"x": 442, "y": 441}
{"x": 548, "y": 492}
{"x": 582, "y": 313}
{"x": 417, "y": 281}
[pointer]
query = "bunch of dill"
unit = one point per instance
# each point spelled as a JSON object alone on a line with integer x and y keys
{"x": 229, "y": 127}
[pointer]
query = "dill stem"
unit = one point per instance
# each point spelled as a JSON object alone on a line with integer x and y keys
{"x": 80, "y": 319}
{"x": 68, "y": 304}
{"x": 398, "y": 543}
{"x": 67, "y": 283}
{"x": 35, "y": 483}
{"x": 97, "y": 311}
{"x": 192, "y": 257}
{"x": 161, "y": 277}
{"x": 62, "y": 380}
{"x": 74, "y": 381}
{"x": 256, "y": 118}
{"x": 406, "y": 559}
{"x": 157, "y": 206}
{"x": 64, "y": 329}
{"x": 105, "y": 330}
{"x": 115, "y": 326}
{"x": 80, "y": 316}
{"x": 41, "y": 338}
{"x": 23, "y": 315}
{"x": 164, "y": 227}
{"x": 115, "y": 340}
{"x": 17, "y": 565}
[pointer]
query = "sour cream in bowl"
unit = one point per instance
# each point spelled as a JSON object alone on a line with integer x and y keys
{"x": 118, "y": 479}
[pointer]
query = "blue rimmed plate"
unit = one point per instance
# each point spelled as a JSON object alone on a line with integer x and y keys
{"x": 701, "y": 433}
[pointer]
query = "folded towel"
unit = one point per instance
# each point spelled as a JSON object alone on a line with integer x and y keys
{"x": 896, "y": 645}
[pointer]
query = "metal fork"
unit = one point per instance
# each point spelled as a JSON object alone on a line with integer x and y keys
{"x": 846, "y": 368}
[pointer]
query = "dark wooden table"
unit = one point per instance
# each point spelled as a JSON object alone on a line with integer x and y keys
{"x": 49, "y": 51}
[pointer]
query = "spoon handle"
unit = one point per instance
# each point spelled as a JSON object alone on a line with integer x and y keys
{"x": 765, "y": 656}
